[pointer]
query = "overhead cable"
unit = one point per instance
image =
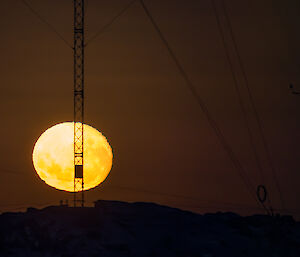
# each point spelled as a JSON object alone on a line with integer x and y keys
{"x": 185, "y": 197}
{"x": 236, "y": 85}
{"x": 107, "y": 25}
{"x": 209, "y": 204}
{"x": 203, "y": 107}
{"x": 46, "y": 23}
{"x": 264, "y": 140}
{"x": 11, "y": 172}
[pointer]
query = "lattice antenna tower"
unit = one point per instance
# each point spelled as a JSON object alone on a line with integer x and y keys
{"x": 78, "y": 101}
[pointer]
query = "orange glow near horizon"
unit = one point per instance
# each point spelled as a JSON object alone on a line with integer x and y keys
{"x": 53, "y": 157}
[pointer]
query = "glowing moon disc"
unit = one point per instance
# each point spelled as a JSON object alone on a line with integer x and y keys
{"x": 53, "y": 157}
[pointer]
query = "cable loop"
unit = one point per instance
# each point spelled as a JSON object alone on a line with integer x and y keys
{"x": 261, "y": 193}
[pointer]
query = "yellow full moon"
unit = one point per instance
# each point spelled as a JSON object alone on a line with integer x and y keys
{"x": 53, "y": 157}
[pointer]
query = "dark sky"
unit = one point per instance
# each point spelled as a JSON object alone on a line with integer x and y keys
{"x": 135, "y": 96}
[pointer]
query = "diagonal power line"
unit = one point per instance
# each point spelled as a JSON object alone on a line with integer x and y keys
{"x": 107, "y": 25}
{"x": 241, "y": 102}
{"x": 237, "y": 88}
{"x": 42, "y": 19}
{"x": 257, "y": 117}
{"x": 14, "y": 172}
{"x": 203, "y": 107}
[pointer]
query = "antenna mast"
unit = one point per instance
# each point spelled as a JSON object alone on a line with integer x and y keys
{"x": 78, "y": 100}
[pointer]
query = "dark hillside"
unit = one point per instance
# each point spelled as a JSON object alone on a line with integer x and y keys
{"x": 144, "y": 229}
